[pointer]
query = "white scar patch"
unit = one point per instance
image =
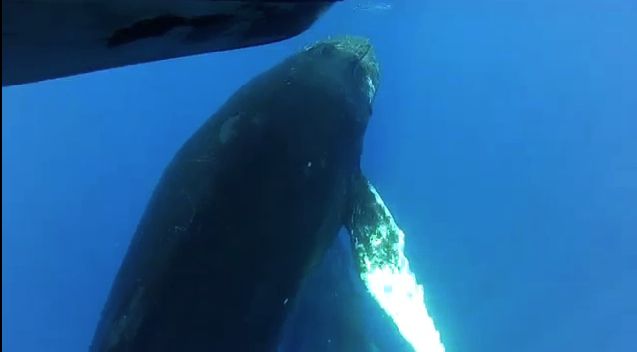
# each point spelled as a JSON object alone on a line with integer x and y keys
{"x": 227, "y": 130}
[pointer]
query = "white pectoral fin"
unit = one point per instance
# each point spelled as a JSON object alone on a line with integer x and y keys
{"x": 378, "y": 245}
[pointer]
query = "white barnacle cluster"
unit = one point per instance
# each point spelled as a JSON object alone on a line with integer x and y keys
{"x": 371, "y": 89}
{"x": 393, "y": 285}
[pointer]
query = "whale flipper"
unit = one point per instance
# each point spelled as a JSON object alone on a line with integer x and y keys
{"x": 378, "y": 245}
{"x": 334, "y": 311}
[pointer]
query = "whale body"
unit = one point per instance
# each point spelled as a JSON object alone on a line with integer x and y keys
{"x": 246, "y": 208}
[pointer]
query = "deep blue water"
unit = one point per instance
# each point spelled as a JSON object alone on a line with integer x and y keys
{"x": 503, "y": 139}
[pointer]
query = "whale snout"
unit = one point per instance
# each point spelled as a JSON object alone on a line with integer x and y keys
{"x": 361, "y": 50}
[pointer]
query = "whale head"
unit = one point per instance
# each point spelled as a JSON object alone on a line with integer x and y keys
{"x": 359, "y": 57}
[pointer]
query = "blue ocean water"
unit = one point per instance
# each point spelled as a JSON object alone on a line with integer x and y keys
{"x": 503, "y": 139}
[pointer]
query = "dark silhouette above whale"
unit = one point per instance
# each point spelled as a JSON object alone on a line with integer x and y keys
{"x": 249, "y": 205}
{"x": 46, "y": 39}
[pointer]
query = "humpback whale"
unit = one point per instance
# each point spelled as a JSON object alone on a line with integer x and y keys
{"x": 47, "y": 39}
{"x": 249, "y": 205}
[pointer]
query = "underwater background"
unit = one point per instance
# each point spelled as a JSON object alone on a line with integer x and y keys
{"x": 503, "y": 139}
